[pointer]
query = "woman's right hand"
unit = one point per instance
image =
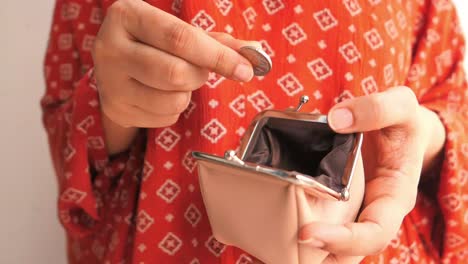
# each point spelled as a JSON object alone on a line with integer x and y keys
{"x": 147, "y": 63}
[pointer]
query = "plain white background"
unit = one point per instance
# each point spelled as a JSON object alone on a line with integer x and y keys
{"x": 29, "y": 230}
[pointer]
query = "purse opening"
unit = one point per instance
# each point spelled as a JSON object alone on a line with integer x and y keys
{"x": 309, "y": 148}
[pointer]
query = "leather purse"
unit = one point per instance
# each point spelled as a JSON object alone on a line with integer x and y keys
{"x": 291, "y": 169}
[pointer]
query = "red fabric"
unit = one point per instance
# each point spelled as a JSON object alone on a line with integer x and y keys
{"x": 145, "y": 206}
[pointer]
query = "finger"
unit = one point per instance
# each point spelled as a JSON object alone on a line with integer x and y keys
{"x": 393, "y": 107}
{"x": 377, "y": 225}
{"x": 233, "y": 43}
{"x": 183, "y": 40}
{"x": 156, "y": 68}
{"x": 149, "y": 120}
{"x": 133, "y": 116}
{"x": 154, "y": 101}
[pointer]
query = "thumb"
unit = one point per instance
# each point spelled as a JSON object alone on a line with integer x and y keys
{"x": 396, "y": 106}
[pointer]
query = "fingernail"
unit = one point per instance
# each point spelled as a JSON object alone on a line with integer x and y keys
{"x": 255, "y": 44}
{"x": 312, "y": 242}
{"x": 341, "y": 118}
{"x": 243, "y": 73}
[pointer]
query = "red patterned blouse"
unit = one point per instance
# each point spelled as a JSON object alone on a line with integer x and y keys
{"x": 144, "y": 206}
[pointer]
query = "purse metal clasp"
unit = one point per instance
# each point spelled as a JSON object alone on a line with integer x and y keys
{"x": 282, "y": 120}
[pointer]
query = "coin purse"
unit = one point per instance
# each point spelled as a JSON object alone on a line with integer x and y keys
{"x": 251, "y": 196}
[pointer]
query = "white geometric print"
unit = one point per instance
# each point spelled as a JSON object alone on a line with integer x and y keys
{"x": 373, "y": 39}
{"x": 451, "y": 202}
{"x": 167, "y": 139}
{"x": 349, "y": 52}
{"x": 213, "y": 131}
{"x": 454, "y": 240}
{"x": 72, "y": 195}
{"x": 325, "y": 19}
{"x": 143, "y": 221}
{"x": 391, "y": 29}
{"x": 238, "y": 105}
{"x": 176, "y": 6}
{"x": 147, "y": 170}
{"x": 388, "y": 74}
{"x": 190, "y": 108}
{"x": 192, "y": 215}
{"x": 71, "y": 11}
{"x": 168, "y": 191}
{"x": 204, "y": 21}
{"x": 85, "y": 124}
{"x": 244, "y": 259}
{"x": 345, "y": 95}
{"x": 189, "y": 162}
{"x": 273, "y": 6}
{"x": 401, "y": 18}
{"x": 369, "y": 85}
{"x": 320, "y": 69}
{"x": 260, "y": 101}
{"x": 65, "y": 41}
{"x": 267, "y": 48}
{"x": 352, "y": 6}
{"x": 214, "y": 79}
{"x": 249, "y": 16}
{"x": 69, "y": 151}
{"x": 96, "y": 143}
{"x": 289, "y": 84}
{"x": 66, "y": 72}
{"x": 294, "y": 34}
{"x": 170, "y": 244}
{"x": 224, "y": 6}
{"x": 214, "y": 246}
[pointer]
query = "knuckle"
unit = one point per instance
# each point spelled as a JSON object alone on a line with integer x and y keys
{"x": 179, "y": 37}
{"x": 177, "y": 73}
{"x": 408, "y": 103}
{"x": 167, "y": 121}
{"x": 181, "y": 102}
{"x": 411, "y": 99}
{"x": 375, "y": 108}
{"x": 120, "y": 13}
{"x": 104, "y": 50}
{"x": 409, "y": 96}
{"x": 118, "y": 8}
{"x": 220, "y": 60}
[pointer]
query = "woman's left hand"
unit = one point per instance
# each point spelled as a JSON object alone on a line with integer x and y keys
{"x": 401, "y": 138}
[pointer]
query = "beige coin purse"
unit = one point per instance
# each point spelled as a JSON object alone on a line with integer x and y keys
{"x": 258, "y": 199}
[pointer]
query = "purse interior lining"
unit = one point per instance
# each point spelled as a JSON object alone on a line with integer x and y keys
{"x": 310, "y": 148}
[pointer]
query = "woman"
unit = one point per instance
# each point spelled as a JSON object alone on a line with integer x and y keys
{"x": 392, "y": 69}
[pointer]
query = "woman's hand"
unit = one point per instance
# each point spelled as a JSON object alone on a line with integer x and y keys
{"x": 400, "y": 137}
{"x": 147, "y": 63}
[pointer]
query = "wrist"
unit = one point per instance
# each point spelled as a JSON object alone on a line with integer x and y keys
{"x": 118, "y": 138}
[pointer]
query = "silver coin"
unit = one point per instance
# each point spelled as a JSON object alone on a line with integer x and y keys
{"x": 260, "y": 61}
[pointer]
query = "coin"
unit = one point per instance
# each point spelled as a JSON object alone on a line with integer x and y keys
{"x": 260, "y": 61}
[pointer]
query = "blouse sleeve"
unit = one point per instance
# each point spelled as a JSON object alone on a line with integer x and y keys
{"x": 438, "y": 78}
{"x": 72, "y": 117}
